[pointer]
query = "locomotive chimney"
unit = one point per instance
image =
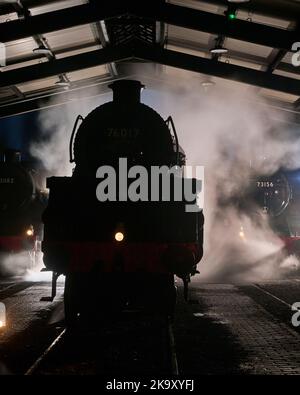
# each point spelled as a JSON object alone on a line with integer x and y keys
{"x": 127, "y": 92}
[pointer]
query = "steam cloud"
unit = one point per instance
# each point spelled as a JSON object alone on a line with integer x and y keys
{"x": 225, "y": 130}
{"x": 15, "y": 264}
{"x": 24, "y": 265}
{"x": 56, "y": 124}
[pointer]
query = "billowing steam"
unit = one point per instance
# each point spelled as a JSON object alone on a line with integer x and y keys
{"x": 24, "y": 264}
{"x": 57, "y": 123}
{"x": 233, "y": 133}
{"x": 16, "y": 264}
{"x": 230, "y": 132}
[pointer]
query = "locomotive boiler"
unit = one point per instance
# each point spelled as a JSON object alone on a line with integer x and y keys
{"x": 120, "y": 253}
{"x": 21, "y": 207}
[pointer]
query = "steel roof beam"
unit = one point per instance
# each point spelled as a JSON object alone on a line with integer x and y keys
{"x": 65, "y": 65}
{"x": 28, "y": 104}
{"x": 218, "y": 24}
{"x": 58, "y": 20}
{"x": 281, "y": 9}
{"x": 156, "y": 54}
{"x": 156, "y": 10}
{"x": 218, "y": 69}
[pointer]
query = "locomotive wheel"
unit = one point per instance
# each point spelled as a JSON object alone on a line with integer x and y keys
{"x": 70, "y": 304}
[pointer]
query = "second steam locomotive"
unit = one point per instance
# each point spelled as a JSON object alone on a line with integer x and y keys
{"x": 22, "y": 202}
{"x": 278, "y": 197}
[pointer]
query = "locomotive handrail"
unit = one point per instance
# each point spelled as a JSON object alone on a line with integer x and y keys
{"x": 79, "y": 118}
{"x": 169, "y": 121}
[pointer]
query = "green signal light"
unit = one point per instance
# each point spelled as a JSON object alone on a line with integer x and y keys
{"x": 231, "y": 16}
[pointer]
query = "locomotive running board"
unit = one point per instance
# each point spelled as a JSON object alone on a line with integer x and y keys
{"x": 53, "y": 288}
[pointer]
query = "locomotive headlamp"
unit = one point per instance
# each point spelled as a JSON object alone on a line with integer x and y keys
{"x": 119, "y": 236}
{"x": 29, "y": 232}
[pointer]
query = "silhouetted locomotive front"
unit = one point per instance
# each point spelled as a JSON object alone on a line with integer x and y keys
{"x": 120, "y": 253}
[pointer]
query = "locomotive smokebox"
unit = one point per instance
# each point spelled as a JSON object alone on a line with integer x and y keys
{"x": 127, "y": 92}
{"x": 122, "y": 128}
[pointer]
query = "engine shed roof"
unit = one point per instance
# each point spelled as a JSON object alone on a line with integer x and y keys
{"x": 65, "y": 49}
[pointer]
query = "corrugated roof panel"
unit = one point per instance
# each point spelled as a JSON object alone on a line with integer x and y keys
{"x": 98, "y": 71}
{"x": 67, "y": 37}
{"x": 76, "y": 51}
{"x": 243, "y": 15}
{"x": 265, "y": 20}
{"x": 243, "y": 63}
{"x": 55, "y": 5}
{"x": 38, "y": 85}
{"x": 202, "y": 53}
{"x": 8, "y": 17}
{"x": 19, "y": 65}
{"x": 247, "y": 48}
{"x": 188, "y": 34}
{"x": 288, "y": 57}
{"x": 20, "y": 48}
{"x": 287, "y": 74}
{"x": 199, "y": 5}
{"x": 257, "y": 60}
{"x": 6, "y": 94}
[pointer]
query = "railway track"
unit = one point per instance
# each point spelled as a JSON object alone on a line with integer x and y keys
{"x": 276, "y": 298}
{"x": 127, "y": 345}
{"x": 276, "y": 301}
{"x": 36, "y": 365}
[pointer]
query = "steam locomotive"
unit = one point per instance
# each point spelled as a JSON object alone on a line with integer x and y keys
{"x": 278, "y": 197}
{"x": 21, "y": 207}
{"x": 120, "y": 254}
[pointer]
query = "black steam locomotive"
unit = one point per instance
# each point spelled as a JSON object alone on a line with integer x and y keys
{"x": 120, "y": 253}
{"x": 21, "y": 207}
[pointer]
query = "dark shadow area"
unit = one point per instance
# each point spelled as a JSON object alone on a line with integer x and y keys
{"x": 203, "y": 345}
